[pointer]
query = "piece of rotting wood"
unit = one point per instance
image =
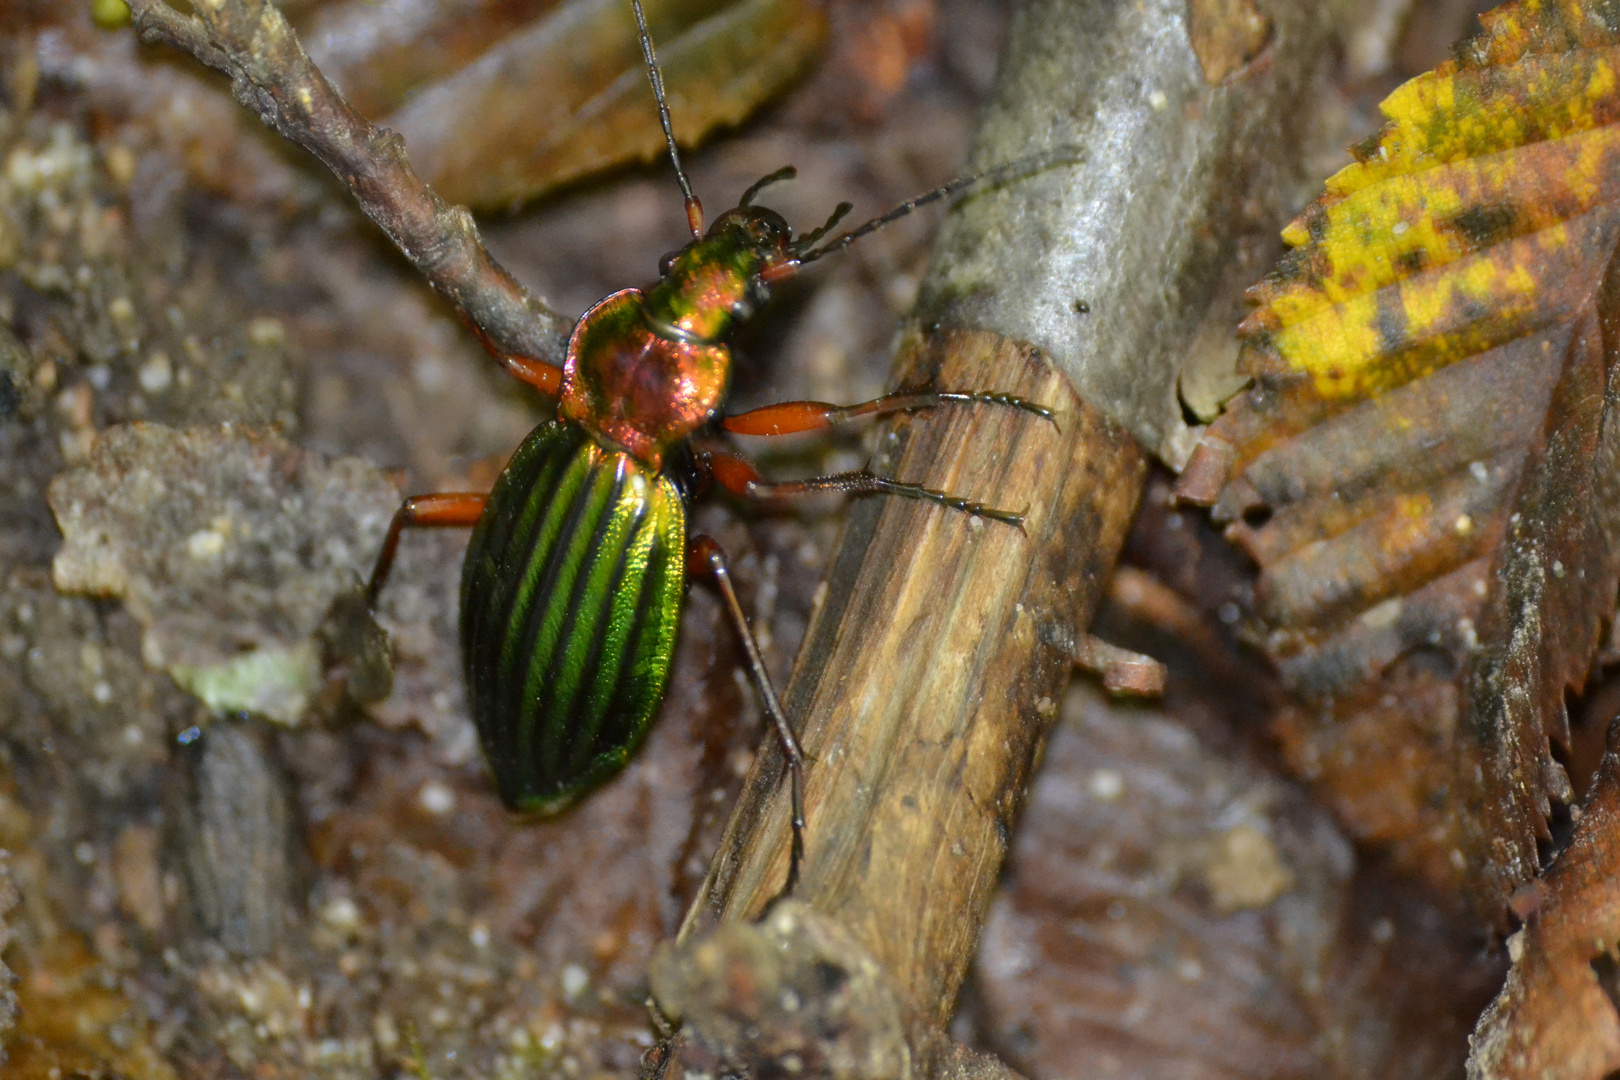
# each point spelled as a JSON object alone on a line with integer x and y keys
{"x": 932, "y": 670}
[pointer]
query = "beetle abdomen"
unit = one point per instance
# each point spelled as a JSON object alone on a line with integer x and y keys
{"x": 570, "y": 601}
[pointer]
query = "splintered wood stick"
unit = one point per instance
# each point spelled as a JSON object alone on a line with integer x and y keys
{"x": 933, "y": 670}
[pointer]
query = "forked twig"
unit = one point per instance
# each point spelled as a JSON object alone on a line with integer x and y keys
{"x": 270, "y": 73}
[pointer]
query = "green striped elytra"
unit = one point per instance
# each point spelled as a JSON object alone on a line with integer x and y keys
{"x": 575, "y": 574}
{"x": 563, "y": 692}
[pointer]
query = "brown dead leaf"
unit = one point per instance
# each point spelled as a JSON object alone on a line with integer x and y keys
{"x": 1556, "y": 1018}
{"x": 1226, "y": 35}
{"x": 380, "y": 59}
{"x": 1424, "y": 471}
{"x": 518, "y": 107}
{"x": 1173, "y": 911}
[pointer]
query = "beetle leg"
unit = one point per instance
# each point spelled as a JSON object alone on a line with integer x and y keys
{"x": 737, "y": 475}
{"x": 544, "y": 377}
{"x": 792, "y": 417}
{"x": 422, "y": 511}
{"x": 704, "y": 556}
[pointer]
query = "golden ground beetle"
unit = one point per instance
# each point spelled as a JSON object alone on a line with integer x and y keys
{"x": 574, "y": 578}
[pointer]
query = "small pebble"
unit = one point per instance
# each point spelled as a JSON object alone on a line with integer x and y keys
{"x": 341, "y": 913}
{"x": 436, "y": 798}
{"x": 156, "y": 374}
{"x": 574, "y": 981}
{"x": 1106, "y": 785}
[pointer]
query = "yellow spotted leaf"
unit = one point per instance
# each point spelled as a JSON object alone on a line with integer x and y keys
{"x": 1425, "y": 469}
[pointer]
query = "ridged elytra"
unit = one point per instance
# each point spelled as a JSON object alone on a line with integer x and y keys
{"x": 570, "y": 600}
{"x": 573, "y": 582}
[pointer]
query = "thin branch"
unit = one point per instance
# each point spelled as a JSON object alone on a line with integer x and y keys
{"x": 270, "y": 73}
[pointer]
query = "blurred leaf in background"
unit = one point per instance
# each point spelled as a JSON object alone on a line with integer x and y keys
{"x": 1425, "y": 468}
{"x": 530, "y": 95}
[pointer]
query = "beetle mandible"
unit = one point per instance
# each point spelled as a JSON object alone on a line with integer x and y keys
{"x": 573, "y": 582}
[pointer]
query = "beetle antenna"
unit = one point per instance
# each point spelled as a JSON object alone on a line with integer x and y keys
{"x": 808, "y": 240}
{"x": 694, "y": 209}
{"x": 1023, "y": 166}
{"x": 786, "y": 172}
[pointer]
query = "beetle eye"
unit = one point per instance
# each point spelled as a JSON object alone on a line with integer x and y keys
{"x": 666, "y": 262}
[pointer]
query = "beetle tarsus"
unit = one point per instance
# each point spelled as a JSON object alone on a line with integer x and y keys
{"x": 704, "y": 555}
{"x": 859, "y": 482}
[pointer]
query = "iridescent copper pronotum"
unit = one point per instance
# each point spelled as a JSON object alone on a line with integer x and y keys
{"x": 572, "y": 588}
